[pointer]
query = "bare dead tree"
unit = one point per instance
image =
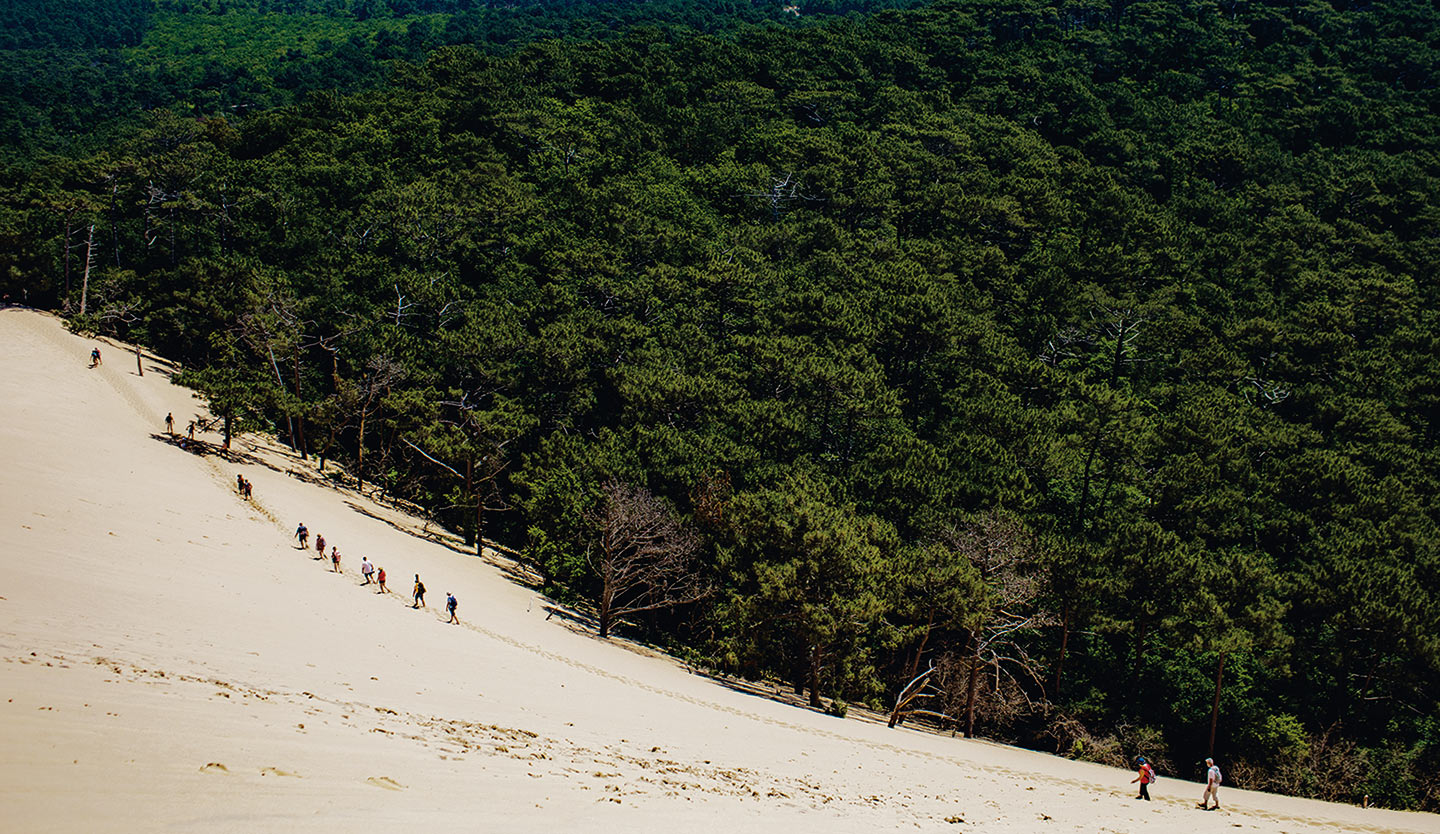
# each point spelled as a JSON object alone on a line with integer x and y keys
{"x": 381, "y": 373}
{"x": 89, "y": 262}
{"x": 1004, "y": 551}
{"x": 782, "y": 191}
{"x": 646, "y": 558}
{"x": 269, "y": 324}
{"x": 402, "y": 307}
{"x": 479, "y": 436}
{"x": 1112, "y": 327}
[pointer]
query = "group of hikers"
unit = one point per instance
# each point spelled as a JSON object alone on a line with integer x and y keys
{"x": 1146, "y": 777}
{"x": 170, "y": 426}
{"x": 372, "y": 574}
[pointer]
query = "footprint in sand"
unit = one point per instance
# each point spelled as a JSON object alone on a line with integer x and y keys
{"x": 275, "y": 771}
{"x": 214, "y": 767}
{"x": 385, "y": 782}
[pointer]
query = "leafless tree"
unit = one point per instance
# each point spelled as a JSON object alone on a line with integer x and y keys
{"x": 782, "y": 191}
{"x": 646, "y": 558}
{"x": 381, "y": 373}
{"x": 1004, "y": 552}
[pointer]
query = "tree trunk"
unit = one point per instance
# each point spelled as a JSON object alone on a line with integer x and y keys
{"x": 299, "y": 418}
{"x": 970, "y": 692}
{"x": 1119, "y": 352}
{"x": 1139, "y": 650}
{"x": 1085, "y": 478}
{"x": 1215, "y": 706}
{"x": 914, "y": 667}
{"x": 816, "y": 654}
{"x": 360, "y": 456}
{"x": 115, "y": 223}
{"x": 1064, "y": 644}
{"x": 472, "y": 534}
{"x": 66, "y": 249}
{"x": 606, "y": 611}
{"x": 227, "y": 431}
{"x": 280, "y": 381}
{"x": 479, "y": 523}
{"x": 85, "y": 286}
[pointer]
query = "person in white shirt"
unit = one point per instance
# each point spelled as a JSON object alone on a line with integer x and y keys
{"x": 366, "y": 569}
{"x": 1212, "y": 787}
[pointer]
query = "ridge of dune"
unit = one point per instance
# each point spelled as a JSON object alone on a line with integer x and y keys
{"x": 170, "y": 658}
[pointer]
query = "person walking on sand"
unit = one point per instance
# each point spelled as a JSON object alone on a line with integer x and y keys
{"x": 249, "y": 490}
{"x": 192, "y": 429}
{"x": 240, "y": 484}
{"x": 380, "y": 577}
{"x": 94, "y": 357}
{"x": 367, "y": 570}
{"x": 335, "y": 558}
{"x": 419, "y": 593}
{"x": 1145, "y": 776}
{"x": 1212, "y": 787}
{"x": 170, "y": 423}
{"x": 302, "y": 534}
{"x": 319, "y": 546}
{"x": 450, "y": 605}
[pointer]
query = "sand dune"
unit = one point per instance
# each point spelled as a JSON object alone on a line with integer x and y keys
{"x": 169, "y": 659}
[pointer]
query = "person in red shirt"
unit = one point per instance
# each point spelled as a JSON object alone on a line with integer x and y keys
{"x": 1145, "y": 776}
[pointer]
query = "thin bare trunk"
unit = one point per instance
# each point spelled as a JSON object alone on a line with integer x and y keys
{"x": 1140, "y": 628}
{"x": 299, "y": 419}
{"x": 360, "y": 456}
{"x": 115, "y": 223}
{"x": 68, "y": 229}
{"x": 1215, "y": 707}
{"x": 279, "y": 380}
{"x": 816, "y": 655}
{"x": 472, "y": 534}
{"x": 970, "y": 692}
{"x": 914, "y": 668}
{"x": 85, "y": 286}
{"x": 607, "y": 599}
{"x": 1064, "y": 644}
{"x": 479, "y": 523}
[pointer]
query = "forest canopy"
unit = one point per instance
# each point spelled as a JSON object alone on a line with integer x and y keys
{"x": 1067, "y": 369}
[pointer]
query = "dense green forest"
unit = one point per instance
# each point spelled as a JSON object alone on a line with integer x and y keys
{"x": 1064, "y": 373}
{"x": 69, "y": 70}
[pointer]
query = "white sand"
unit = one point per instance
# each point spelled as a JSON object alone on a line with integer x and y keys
{"x": 172, "y": 660}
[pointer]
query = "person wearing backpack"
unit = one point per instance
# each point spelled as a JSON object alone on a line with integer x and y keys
{"x": 1212, "y": 787}
{"x": 1145, "y": 776}
{"x": 419, "y": 593}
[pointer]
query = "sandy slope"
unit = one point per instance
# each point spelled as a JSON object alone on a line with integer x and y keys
{"x": 172, "y": 660}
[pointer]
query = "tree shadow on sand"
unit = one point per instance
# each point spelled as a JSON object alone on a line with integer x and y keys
{"x": 511, "y": 567}
{"x": 202, "y": 449}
